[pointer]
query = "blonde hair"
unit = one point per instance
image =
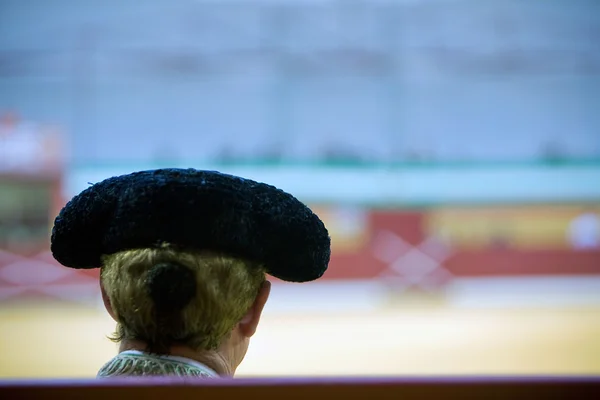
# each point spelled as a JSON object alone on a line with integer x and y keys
{"x": 225, "y": 289}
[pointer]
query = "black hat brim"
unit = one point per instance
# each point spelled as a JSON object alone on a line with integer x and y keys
{"x": 193, "y": 209}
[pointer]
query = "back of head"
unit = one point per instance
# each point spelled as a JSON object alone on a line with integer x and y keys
{"x": 209, "y": 296}
{"x": 164, "y": 296}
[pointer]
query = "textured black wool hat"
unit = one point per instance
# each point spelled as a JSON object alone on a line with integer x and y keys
{"x": 197, "y": 210}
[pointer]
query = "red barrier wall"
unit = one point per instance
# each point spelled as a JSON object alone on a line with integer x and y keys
{"x": 410, "y": 247}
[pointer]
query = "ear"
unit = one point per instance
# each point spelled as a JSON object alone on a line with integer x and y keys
{"x": 249, "y": 323}
{"x": 106, "y": 301}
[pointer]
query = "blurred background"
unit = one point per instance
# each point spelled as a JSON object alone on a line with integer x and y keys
{"x": 451, "y": 146}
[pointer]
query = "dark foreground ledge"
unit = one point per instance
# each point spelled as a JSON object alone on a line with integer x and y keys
{"x": 304, "y": 388}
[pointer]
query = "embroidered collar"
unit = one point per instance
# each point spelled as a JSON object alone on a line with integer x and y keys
{"x": 184, "y": 360}
{"x": 138, "y": 363}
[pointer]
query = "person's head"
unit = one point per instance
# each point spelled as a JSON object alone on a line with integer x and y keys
{"x": 184, "y": 255}
{"x": 163, "y": 298}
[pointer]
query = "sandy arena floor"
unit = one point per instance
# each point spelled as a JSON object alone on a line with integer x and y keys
{"x": 60, "y": 340}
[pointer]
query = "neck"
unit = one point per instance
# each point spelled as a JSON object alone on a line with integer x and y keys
{"x": 212, "y": 359}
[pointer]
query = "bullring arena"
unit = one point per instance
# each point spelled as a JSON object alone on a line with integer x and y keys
{"x": 350, "y": 329}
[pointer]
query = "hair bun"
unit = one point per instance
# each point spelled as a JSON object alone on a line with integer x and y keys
{"x": 171, "y": 286}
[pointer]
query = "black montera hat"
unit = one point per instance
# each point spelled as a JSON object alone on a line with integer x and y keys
{"x": 196, "y": 210}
